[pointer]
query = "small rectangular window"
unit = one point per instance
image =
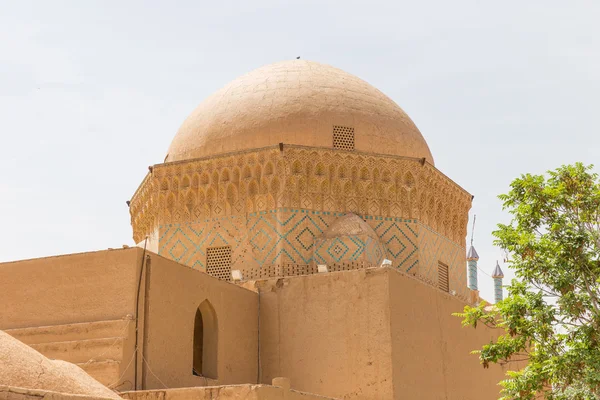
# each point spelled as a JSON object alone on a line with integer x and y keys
{"x": 343, "y": 137}
{"x": 443, "y": 278}
{"x": 218, "y": 262}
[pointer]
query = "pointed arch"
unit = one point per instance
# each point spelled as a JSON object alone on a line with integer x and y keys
{"x": 164, "y": 184}
{"x": 171, "y": 201}
{"x": 320, "y": 169}
{"x": 354, "y": 173}
{"x": 257, "y": 172}
{"x": 211, "y": 196}
{"x": 225, "y": 175}
{"x": 376, "y": 174}
{"x": 331, "y": 171}
{"x": 204, "y": 178}
{"x": 236, "y": 175}
{"x": 364, "y": 174}
{"x": 247, "y": 173}
{"x": 206, "y": 341}
{"x": 231, "y": 194}
{"x": 386, "y": 176}
{"x": 190, "y": 201}
{"x": 297, "y": 167}
{"x": 252, "y": 189}
{"x": 409, "y": 181}
{"x": 269, "y": 168}
{"x": 309, "y": 168}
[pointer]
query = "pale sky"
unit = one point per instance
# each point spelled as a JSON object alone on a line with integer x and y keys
{"x": 92, "y": 92}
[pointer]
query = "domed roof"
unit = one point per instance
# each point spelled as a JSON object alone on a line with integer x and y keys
{"x": 296, "y": 102}
{"x": 24, "y": 367}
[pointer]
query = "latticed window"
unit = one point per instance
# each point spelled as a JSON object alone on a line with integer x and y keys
{"x": 443, "y": 279}
{"x": 218, "y": 262}
{"x": 343, "y": 137}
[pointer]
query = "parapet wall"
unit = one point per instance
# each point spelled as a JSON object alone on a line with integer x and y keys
{"x": 84, "y": 287}
{"x": 371, "y": 334}
{"x": 233, "y": 392}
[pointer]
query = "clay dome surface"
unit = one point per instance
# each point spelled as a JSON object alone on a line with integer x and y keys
{"x": 23, "y": 367}
{"x": 296, "y": 102}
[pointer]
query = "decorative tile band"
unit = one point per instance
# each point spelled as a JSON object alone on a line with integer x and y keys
{"x": 288, "y": 236}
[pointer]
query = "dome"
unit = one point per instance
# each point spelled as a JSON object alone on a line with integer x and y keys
{"x": 296, "y": 102}
{"x": 24, "y": 367}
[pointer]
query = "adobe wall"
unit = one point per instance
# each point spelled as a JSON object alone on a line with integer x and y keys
{"x": 172, "y": 296}
{"x": 434, "y": 247}
{"x": 431, "y": 350}
{"x": 329, "y": 333}
{"x": 67, "y": 289}
{"x": 371, "y": 334}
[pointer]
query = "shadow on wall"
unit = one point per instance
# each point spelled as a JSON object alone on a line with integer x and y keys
{"x": 205, "y": 341}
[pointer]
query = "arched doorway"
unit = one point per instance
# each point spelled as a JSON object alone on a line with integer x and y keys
{"x": 205, "y": 341}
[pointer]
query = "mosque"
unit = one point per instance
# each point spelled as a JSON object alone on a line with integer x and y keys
{"x": 297, "y": 242}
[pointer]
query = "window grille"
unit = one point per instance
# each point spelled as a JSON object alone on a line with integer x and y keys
{"x": 218, "y": 262}
{"x": 343, "y": 137}
{"x": 443, "y": 279}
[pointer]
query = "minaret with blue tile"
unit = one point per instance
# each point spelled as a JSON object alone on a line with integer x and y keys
{"x": 472, "y": 258}
{"x": 498, "y": 275}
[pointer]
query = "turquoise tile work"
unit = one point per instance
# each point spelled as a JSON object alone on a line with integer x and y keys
{"x": 286, "y": 236}
{"x": 349, "y": 249}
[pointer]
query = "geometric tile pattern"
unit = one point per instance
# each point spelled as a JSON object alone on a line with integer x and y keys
{"x": 284, "y": 238}
{"x": 348, "y": 249}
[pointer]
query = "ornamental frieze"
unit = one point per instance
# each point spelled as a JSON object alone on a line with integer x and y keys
{"x": 300, "y": 177}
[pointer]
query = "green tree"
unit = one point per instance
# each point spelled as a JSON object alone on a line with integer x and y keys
{"x": 550, "y": 319}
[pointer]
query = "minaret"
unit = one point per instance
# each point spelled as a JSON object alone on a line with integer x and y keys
{"x": 472, "y": 258}
{"x": 497, "y": 275}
